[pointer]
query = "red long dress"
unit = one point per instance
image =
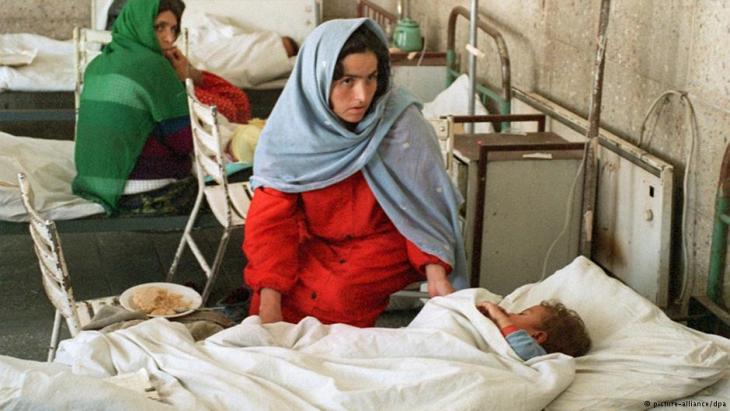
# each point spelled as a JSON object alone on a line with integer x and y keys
{"x": 332, "y": 253}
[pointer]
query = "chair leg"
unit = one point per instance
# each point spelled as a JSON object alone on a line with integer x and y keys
{"x": 54, "y": 336}
{"x": 213, "y": 273}
{"x": 186, "y": 233}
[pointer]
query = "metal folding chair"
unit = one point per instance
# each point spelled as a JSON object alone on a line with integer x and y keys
{"x": 229, "y": 202}
{"x": 56, "y": 279}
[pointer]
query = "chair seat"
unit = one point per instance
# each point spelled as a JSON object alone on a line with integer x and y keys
{"x": 240, "y": 200}
{"x": 88, "y": 308}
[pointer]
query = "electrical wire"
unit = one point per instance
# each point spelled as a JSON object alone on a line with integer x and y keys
{"x": 694, "y": 132}
{"x": 568, "y": 208}
{"x": 423, "y": 51}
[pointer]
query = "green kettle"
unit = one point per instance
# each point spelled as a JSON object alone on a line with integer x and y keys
{"x": 407, "y": 35}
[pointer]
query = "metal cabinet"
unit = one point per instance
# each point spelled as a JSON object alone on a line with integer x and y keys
{"x": 517, "y": 189}
{"x": 424, "y": 77}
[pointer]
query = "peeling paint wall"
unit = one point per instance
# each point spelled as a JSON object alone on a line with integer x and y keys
{"x": 653, "y": 46}
{"x": 338, "y": 9}
{"x": 55, "y": 19}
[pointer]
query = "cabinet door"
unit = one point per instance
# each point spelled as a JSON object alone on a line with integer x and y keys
{"x": 524, "y": 213}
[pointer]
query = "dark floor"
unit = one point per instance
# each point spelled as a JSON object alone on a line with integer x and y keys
{"x": 100, "y": 264}
{"x": 105, "y": 264}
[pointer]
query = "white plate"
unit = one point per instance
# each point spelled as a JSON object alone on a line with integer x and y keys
{"x": 188, "y": 293}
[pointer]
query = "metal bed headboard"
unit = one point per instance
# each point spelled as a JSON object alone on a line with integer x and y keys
{"x": 504, "y": 97}
{"x": 501, "y": 98}
{"x": 709, "y": 312}
{"x": 383, "y": 17}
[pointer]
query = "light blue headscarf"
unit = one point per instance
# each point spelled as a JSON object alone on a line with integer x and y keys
{"x": 304, "y": 147}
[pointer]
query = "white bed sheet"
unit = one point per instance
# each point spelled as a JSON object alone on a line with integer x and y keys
{"x": 293, "y": 18}
{"x": 49, "y": 166}
{"x": 51, "y": 70}
{"x": 246, "y": 59}
{"x": 715, "y": 397}
{"x": 639, "y": 356}
{"x": 454, "y": 101}
{"x": 449, "y": 357}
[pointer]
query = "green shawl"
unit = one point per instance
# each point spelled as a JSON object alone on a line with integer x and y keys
{"x": 128, "y": 89}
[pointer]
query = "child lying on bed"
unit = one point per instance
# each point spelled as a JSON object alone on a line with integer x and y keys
{"x": 541, "y": 329}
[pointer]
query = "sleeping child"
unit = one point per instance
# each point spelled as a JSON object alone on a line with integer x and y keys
{"x": 541, "y": 329}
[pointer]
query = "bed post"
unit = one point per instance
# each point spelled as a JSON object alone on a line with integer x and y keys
{"x": 594, "y": 119}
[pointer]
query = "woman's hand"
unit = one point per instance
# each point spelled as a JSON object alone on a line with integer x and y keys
{"x": 270, "y": 306}
{"x": 182, "y": 66}
{"x": 438, "y": 283}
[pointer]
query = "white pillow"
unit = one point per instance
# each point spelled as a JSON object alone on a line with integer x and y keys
{"x": 638, "y": 353}
{"x": 246, "y": 59}
{"x": 455, "y": 101}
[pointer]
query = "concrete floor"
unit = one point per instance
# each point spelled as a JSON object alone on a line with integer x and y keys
{"x": 105, "y": 264}
{"x": 99, "y": 264}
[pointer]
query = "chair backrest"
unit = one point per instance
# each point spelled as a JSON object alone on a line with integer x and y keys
{"x": 47, "y": 245}
{"x": 208, "y": 149}
{"x": 88, "y": 45}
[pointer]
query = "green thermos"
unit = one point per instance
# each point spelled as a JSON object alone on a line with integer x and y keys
{"x": 407, "y": 35}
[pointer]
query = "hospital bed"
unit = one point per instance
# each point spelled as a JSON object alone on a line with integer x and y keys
{"x": 705, "y": 313}
{"x": 449, "y": 357}
{"x": 41, "y": 92}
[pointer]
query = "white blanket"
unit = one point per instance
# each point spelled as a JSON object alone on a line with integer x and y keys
{"x": 49, "y": 166}
{"x": 246, "y": 59}
{"x": 450, "y": 357}
{"x": 52, "y": 69}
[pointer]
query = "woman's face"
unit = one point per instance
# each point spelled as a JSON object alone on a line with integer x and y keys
{"x": 351, "y": 95}
{"x": 166, "y": 29}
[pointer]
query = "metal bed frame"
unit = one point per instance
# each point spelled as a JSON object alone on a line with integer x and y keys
{"x": 383, "y": 17}
{"x": 708, "y": 312}
{"x": 502, "y": 98}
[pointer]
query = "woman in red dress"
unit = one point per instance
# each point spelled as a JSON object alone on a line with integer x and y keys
{"x": 352, "y": 202}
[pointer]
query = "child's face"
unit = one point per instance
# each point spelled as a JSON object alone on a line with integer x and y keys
{"x": 530, "y": 319}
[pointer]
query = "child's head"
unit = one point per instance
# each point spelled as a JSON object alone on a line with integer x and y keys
{"x": 555, "y": 327}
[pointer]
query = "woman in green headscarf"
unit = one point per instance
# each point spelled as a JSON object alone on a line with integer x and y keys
{"x": 133, "y": 131}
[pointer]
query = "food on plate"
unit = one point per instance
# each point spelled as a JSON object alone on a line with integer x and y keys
{"x": 158, "y": 301}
